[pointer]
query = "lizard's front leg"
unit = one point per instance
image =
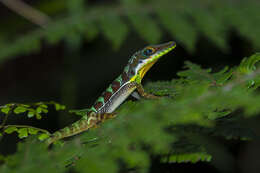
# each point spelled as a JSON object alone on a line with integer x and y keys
{"x": 144, "y": 94}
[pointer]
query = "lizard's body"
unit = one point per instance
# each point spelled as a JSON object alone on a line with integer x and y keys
{"x": 123, "y": 86}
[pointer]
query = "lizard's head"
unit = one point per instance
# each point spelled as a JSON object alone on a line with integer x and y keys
{"x": 144, "y": 59}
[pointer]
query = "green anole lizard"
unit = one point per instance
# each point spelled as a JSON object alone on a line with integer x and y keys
{"x": 124, "y": 85}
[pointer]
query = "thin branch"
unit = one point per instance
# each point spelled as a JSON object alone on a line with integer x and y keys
{"x": 25, "y": 126}
{"x": 5, "y": 119}
{"x": 28, "y": 12}
{"x": 3, "y": 123}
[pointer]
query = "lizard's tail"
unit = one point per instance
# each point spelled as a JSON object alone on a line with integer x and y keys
{"x": 85, "y": 123}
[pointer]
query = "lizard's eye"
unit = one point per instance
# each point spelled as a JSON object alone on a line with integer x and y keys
{"x": 148, "y": 51}
{"x": 140, "y": 61}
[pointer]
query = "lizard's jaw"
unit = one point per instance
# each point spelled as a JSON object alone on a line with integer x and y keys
{"x": 161, "y": 50}
{"x": 143, "y": 71}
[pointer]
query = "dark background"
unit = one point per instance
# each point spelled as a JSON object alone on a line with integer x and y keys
{"x": 75, "y": 77}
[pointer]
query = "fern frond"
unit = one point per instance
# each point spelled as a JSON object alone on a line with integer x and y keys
{"x": 31, "y": 110}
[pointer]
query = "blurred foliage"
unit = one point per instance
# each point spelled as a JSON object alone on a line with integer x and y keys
{"x": 180, "y": 127}
{"x": 185, "y": 20}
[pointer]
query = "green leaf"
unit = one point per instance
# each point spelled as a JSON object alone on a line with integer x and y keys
{"x": 32, "y": 131}
{"x": 38, "y": 116}
{"x": 2, "y": 158}
{"x": 44, "y": 110}
{"x": 56, "y": 32}
{"x": 43, "y": 136}
{"x": 20, "y": 109}
{"x": 248, "y": 64}
{"x": 5, "y": 109}
{"x": 211, "y": 25}
{"x": 76, "y": 6}
{"x": 223, "y": 76}
{"x": 43, "y": 106}
{"x": 59, "y": 107}
{"x": 90, "y": 29}
{"x": 146, "y": 27}
{"x": 238, "y": 19}
{"x": 30, "y": 114}
{"x": 10, "y": 130}
{"x": 114, "y": 29}
{"x": 38, "y": 110}
{"x": 22, "y": 133}
{"x": 178, "y": 26}
{"x": 62, "y": 107}
{"x": 195, "y": 72}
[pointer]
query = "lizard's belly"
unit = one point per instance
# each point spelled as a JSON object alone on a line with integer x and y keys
{"x": 118, "y": 97}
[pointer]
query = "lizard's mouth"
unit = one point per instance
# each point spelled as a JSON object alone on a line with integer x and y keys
{"x": 163, "y": 49}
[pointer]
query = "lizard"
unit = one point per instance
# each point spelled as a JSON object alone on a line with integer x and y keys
{"x": 126, "y": 84}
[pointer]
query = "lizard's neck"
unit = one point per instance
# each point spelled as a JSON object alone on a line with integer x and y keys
{"x": 116, "y": 92}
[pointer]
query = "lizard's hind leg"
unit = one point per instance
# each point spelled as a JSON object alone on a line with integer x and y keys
{"x": 100, "y": 118}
